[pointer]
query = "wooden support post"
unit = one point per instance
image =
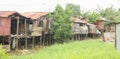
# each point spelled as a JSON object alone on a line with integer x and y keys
{"x": 79, "y": 36}
{"x": 3, "y": 38}
{"x": 40, "y": 40}
{"x": 49, "y": 39}
{"x": 33, "y": 42}
{"x": 73, "y": 37}
{"x": 76, "y": 37}
{"x": 17, "y": 32}
{"x": 9, "y": 38}
{"x": 93, "y": 35}
{"x": 43, "y": 39}
{"x": 25, "y": 34}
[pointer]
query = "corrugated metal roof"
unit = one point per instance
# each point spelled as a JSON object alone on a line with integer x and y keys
{"x": 6, "y": 13}
{"x": 90, "y": 24}
{"x": 80, "y": 21}
{"x": 34, "y": 15}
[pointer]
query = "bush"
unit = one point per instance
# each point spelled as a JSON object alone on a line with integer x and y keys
{"x": 3, "y": 53}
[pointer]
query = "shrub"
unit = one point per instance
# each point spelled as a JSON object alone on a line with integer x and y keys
{"x": 3, "y": 53}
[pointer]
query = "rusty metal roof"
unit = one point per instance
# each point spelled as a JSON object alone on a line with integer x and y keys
{"x": 6, "y": 13}
{"x": 34, "y": 15}
{"x": 79, "y": 20}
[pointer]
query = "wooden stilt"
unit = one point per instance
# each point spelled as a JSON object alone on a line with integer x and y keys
{"x": 73, "y": 37}
{"x": 25, "y": 34}
{"x": 33, "y": 42}
{"x": 80, "y": 37}
{"x": 43, "y": 39}
{"x": 17, "y": 32}
{"x": 40, "y": 40}
{"x": 49, "y": 39}
{"x": 76, "y": 37}
{"x": 3, "y": 39}
{"x": 25, "y": 43}
{"x": 9, "y": 40}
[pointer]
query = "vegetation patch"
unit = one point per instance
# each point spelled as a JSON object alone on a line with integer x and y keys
{"x": 87, "y": 49}
{"x": 3, "y": 53}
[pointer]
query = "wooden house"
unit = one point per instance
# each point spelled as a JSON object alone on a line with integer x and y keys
{"x": 100, "y": 25}
{"x": 93, "y": 31}
{"x": 80, "y": 27}
{"x": 12, "y": 24}
{"x": 40, "y": 21}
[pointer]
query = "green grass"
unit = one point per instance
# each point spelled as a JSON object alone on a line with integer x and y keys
{"x": 87, "y": 49}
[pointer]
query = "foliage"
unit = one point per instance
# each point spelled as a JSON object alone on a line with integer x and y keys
{"x": 108, "y": 13}
{"x": 117, "y": 18}
{"x": 3, "y": 54}
{"x": 91, "y": 16}
{"x": 75, "y": 9}
{"x": 111, "y": 14}
{"x": 62, "y": 24}
{"x": 87, "y": 49}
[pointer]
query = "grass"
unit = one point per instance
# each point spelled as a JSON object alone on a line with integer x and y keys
{"x": 87, "y": 49}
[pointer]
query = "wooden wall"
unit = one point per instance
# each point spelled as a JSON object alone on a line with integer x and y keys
{"x": 5, "y": 25}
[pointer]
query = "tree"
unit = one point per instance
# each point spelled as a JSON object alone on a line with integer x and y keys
{"x": 74, "y": 8}
{"x": 117, "y": 18}
{"x": 91, "y": 16}
{"x": 110, "y": 14}
{"x": 62, "y": 24}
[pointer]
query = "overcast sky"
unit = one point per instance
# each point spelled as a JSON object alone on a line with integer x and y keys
{"x": 49, "y": 5}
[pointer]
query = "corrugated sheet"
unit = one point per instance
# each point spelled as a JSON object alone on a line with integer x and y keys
{"x": 6, "y": 13}
{"x": 34, "y": 15}
{"x": 79, "y": 20}
{"x": 90, "y": 24}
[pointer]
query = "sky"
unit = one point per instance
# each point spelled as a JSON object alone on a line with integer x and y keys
{"x": 49, "y": 5}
